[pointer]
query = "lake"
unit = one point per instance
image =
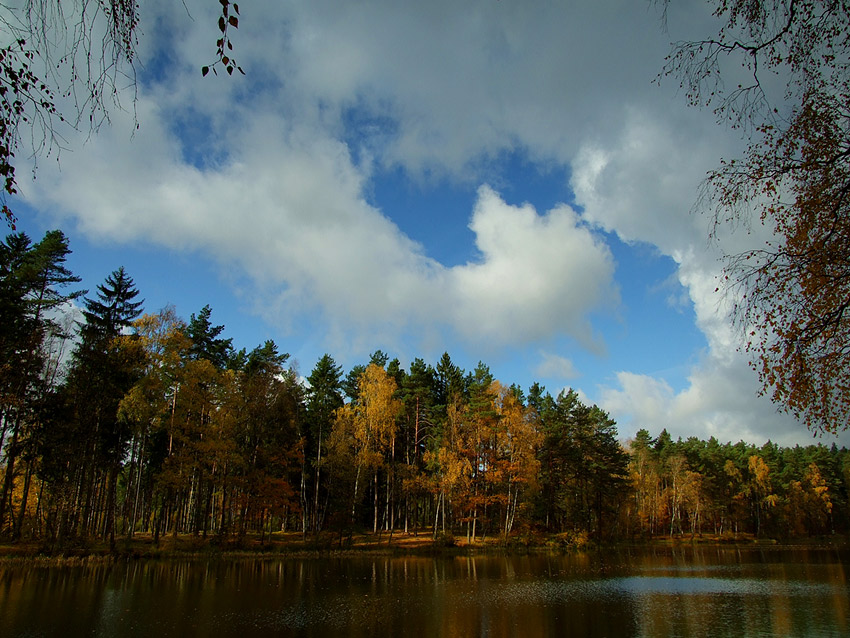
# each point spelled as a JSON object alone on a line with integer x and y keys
{"x": 692, "y": 591}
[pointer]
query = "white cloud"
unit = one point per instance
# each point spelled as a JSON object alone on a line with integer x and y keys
{"x": 719, "y": 401}
{"x": 554, "y": 366}
{"x": 458, "y": 83}
{"x": 288, "y": 209}
{"x": 643, "y": 181}
{"x": 642, "y": 185}
{"x": 538, "y": 275}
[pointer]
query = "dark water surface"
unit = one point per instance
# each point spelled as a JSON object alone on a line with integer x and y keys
{"x": 661, "y": 592}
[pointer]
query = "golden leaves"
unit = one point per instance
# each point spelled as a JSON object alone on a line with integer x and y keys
{"x": 367, "y": 427}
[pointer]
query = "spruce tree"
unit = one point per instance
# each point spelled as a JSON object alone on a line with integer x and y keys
{"x": 105, "y": 367}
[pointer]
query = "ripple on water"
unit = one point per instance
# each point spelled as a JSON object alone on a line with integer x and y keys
{"x": 554, "y": 592}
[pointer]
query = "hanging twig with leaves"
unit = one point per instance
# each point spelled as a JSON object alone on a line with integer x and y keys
{"x": 224, "y": 47}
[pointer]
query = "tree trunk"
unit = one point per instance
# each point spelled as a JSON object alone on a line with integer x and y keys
{"x": 11, "y": 455}
{"x": 16, "y": 533}
{"x": 316, "y": 518}
{"x": 112, "y": 480}
{"x": 437, "y": 514}
{"x": 375, "y": 523}
{"x": 356, "y": 486}
{"x": 132, "y": 526}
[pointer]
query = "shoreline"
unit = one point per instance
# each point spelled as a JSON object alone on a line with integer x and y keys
{"x": 188, "y": 547}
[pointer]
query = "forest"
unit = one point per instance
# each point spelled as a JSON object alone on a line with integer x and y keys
{"x": 120, "y": 423}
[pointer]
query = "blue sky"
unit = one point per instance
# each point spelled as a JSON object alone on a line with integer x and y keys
{"x": 500, "y": 180}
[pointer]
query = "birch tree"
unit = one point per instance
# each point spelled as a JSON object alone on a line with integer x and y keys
{"x": 790, "y": 294}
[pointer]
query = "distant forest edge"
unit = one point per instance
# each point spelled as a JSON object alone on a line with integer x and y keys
{"x": 127, "y": 423}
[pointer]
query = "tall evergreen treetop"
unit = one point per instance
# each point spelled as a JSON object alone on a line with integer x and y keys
{"x": 325, "y": 393}
{"x": 114, "y": 308}
{"x": 31, "y": 282}
{"x": 450, "y": 380}
{"x": 379, "y": 358}
{"x": 265, "y": 359}
{"x": 44, "y": 274}
{"x": 32, "y": 276}
{"x": 205, "y": 341}
{"x": 351, "y": 383}
{"x": 535, "y": 396}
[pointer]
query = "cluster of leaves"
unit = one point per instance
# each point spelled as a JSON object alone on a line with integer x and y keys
{"x": 790, "y": 294}
{"x": 19, "y": 88}
{"x": 224, "y": 47}
{"x": 123, "y": 19}
{"x": 795, "y": 291}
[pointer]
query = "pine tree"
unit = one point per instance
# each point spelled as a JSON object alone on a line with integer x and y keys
{"x": 324, "y": 398}
{"x": 105, "y": 367}
{"x": 33, "y": 279}
{"x": 206, "y": 343}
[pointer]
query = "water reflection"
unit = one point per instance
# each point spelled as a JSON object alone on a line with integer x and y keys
{"x": 661, "y": 592}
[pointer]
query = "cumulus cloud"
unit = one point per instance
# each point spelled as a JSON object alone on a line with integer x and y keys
{"x": 288, "y": 209}
{"x": 554, "y": 366}
{"x": 719, "y": 401}
{"x": 642, "y": 182}
{"x": 537, "y": 274}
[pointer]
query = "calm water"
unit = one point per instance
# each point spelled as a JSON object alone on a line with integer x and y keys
{"x": 662, "y": 592}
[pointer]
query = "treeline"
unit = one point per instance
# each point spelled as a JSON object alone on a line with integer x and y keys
{"x": 122, "y": 423}
{"x": 695, "y": 487}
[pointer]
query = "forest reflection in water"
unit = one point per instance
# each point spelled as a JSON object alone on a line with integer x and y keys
{"x": 654, "y": 592}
